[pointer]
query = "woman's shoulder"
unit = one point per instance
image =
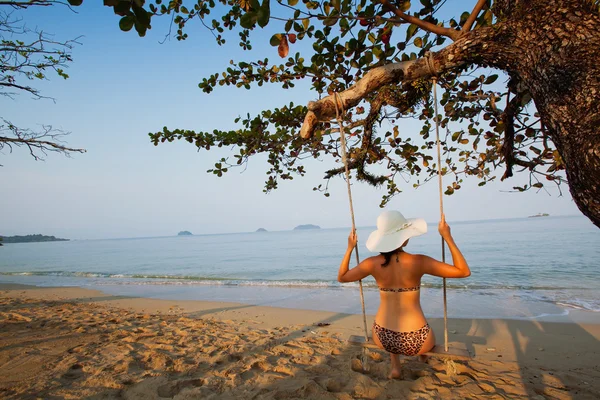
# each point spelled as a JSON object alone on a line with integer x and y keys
{"x": 378, "y": 259}
{"x": 416, "y": 260}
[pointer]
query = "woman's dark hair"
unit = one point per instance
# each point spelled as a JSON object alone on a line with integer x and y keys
{"x": 388, "y": 257}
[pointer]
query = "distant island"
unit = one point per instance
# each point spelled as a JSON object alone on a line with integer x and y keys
{"x": 31, "y": 239}
{"x": 539, "y": 215}
{"x": 261, "y": 230}
{"x": 184, "y": 233}
{"x": 307, "y": 226}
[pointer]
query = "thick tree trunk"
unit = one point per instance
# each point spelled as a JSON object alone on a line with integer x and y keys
{"x": 554, "y": 49}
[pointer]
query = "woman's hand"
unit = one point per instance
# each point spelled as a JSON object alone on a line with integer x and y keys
{"x": 444, "y": 229}
{"x": 352, "y": 239}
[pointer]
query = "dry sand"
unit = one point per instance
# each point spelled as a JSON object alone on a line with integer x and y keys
{"x": 75, "y": 343}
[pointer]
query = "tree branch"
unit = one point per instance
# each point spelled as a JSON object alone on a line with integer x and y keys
{"x": 508, "y": 147}
{"x": 475, "y": 47}
{"x": 471, "y": 20}
{"x": 46, "y": 140}
{"x": 23, "y": 88}
{"x": 428, "y": 26}
{"x": 30, "y": 3}
{"x": 39, "y": 144}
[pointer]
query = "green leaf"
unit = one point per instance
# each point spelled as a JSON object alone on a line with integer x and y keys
{"x": 410, "y": 32}
{"x": 292, "y": 2}
{"x": 142, "y": 16}
{"x": 247, "y": 20}
{"x": 490, "y": 79}
{"x": 418, "y": 42}
{"x": 141, "y": 29}
{"x": 264, "y": 13}
{"x": 377, "y": 52}
{"x": 344, "y": 25}
{"x": 330, "y": 21}
{"x": 122, "y": 8}
{"x": 126, "y": 23}
{"x": 275, "y": 39}
{"x": 463, "y": 17}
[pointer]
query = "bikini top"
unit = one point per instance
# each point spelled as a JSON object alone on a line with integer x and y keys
{"x": 407, "y": 289}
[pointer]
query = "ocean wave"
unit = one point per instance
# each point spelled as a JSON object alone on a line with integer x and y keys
{"x": 102, "y": 278}
{"x": 575, "y": 299}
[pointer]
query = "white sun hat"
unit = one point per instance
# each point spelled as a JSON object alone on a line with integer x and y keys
{"x": 393, "y": 230}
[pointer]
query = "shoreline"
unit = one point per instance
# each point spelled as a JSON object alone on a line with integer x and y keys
{"x": 73, "y": 342}
{"x": 463, "y": 303}
{"x": 270, "y": 317}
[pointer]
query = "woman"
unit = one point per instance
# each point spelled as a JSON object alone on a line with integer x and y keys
{"x": 400, "y": 326}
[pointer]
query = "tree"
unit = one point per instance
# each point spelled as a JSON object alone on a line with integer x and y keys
{"x": 378, "y": 60}
{"x": 30, "y": 55}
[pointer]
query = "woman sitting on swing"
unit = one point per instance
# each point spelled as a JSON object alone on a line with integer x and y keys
{"x": 400, "y": 326}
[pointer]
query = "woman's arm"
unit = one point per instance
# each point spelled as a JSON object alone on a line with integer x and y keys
{"x": 460, "y": 269}
{"x": 361, "y": 271}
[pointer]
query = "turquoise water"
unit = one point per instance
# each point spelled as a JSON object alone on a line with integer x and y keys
{"x": 521, "y": 268}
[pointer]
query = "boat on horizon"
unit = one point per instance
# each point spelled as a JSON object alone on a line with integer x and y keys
{"x": 539, "y": 215}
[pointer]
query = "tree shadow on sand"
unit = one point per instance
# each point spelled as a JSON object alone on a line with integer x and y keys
{"x": 308, "y": 362}
{"x": 549, "y": 359}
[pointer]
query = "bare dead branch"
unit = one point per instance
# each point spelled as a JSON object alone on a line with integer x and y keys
{"x": 39, "y": 143}
{"x": 32, "y": 3}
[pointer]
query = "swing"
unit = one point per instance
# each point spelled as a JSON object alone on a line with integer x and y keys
{"x": 438, "y": 350}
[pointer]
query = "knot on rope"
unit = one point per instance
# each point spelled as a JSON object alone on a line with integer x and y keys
{"x": 431, "y": 65}
{"x": 339, "y": 106}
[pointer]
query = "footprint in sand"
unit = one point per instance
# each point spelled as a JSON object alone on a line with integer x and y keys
{"x": 75, "y": 372}
{"x": 171, "y": 389}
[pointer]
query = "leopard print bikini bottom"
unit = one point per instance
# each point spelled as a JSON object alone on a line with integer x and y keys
{"x": 405, "y": 343}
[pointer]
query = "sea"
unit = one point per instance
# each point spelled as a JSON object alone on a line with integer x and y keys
{"x": 526, "y": 268}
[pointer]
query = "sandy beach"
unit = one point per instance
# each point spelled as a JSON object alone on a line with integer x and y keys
{"x": 78, "y": 343}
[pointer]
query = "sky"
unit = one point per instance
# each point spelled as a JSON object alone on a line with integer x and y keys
{"x": 122, "y": 87}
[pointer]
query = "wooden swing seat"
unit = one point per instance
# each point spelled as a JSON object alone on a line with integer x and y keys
{"x": 437, "y": 351}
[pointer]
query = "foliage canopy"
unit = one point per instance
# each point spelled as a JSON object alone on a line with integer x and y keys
{"x": 348, "y": 39}
{"x": 380, "y": 57}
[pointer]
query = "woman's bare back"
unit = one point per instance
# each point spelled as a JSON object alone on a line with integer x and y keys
{"x": 399, "y": 310}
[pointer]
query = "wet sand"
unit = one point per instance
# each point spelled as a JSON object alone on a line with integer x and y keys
{"x": 78, "y": 343}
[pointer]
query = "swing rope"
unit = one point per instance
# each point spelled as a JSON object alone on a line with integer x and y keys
{"x": 339, "y": 116}
{"x": 431, "y": 67}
